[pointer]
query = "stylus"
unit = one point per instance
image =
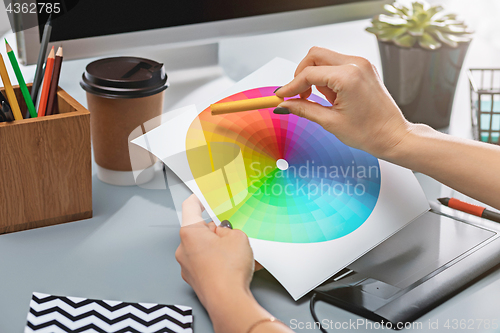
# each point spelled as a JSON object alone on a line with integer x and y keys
{"x": 470, "y": 208}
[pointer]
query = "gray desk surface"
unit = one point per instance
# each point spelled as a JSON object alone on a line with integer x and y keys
{"x": 126, "y": 251}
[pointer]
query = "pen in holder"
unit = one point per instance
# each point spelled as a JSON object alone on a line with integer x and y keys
{"x": 45, "y": 167}
{"x": 485, "y": 104}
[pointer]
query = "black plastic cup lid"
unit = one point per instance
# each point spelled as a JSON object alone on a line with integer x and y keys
{"x": 124, "y": 77}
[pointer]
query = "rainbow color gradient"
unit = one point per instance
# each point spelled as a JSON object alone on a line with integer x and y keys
{"x": 328, "y": 191}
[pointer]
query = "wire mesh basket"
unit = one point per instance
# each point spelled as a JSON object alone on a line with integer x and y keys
{"x": 485, "y": 103}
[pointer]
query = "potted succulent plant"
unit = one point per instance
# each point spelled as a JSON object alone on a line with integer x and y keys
{"x": 422, "y": 51}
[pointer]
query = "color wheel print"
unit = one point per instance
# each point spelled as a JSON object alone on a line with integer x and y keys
{"x": 280, "y": 177}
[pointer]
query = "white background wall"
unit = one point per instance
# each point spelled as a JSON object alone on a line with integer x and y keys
{"x": 4, "y": 20}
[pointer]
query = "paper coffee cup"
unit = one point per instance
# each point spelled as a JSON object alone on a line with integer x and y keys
{"x": 123, "y": 94}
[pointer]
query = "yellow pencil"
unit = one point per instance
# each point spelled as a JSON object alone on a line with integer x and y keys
{"x": 246, "y": 105}
{"x": 11, "y": 96}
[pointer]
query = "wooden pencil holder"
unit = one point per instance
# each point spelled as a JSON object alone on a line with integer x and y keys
{"x": 45, "y": 167}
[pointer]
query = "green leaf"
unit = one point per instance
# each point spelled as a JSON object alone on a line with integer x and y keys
{"x": 459, "y": 38}
{"x": 405, "y": 10}
{"x": 426, "y": 5}
{"x": 444, "y": 38}
{"x": 395, "y": 11}
{"x": 447, "y": 23}
{"x": 441, "y": 18}
{"x": 405, "y": 40}
{"x": 391, "y": 9}
{"x": 416, "y": 30}
{"x": 422, "y": 17}
{"x": 455, "y": 29}
{"x": 387, "y": 35}
{"x": 434, "y": 10}
{"x": 418, "y": 7}
{"x": 392, "y": 20}
{"x": 450, "y": 17}
{"x": 379, "y": 25}
{"x": 426, "y": 41}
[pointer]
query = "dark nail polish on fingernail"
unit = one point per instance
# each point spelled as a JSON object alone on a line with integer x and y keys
{"x": 226, "y": 224}
{"x": 280, "y": 110}
{"x": 277, "y": 89}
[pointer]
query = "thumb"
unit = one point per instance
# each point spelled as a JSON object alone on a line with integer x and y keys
{"x": 191, "y": 211}
{"x": 307, "y": 109}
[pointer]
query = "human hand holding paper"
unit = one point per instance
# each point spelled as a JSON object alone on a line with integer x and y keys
{"x": 212, "y": 258}
{"x": 218, "y": 263}
{"x": 192, "y": 209}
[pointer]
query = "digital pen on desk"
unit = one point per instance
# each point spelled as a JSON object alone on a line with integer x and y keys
{"x": 470, "y": 208}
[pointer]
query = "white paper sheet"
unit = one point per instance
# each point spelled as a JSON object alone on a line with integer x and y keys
{"x": 303, "y": 266}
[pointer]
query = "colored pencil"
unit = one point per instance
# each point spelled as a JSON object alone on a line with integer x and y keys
{"x": 246, "y": 105}
{"x": 47, "y": 78}
{"x": 37, "y": 81}
{"x": 54, "y": 84}
{"x": 9, "y": 91}
{"x": 20, "y": 80}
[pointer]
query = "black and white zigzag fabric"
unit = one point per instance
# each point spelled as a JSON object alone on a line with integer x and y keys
{"x": 57, "y": 314}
